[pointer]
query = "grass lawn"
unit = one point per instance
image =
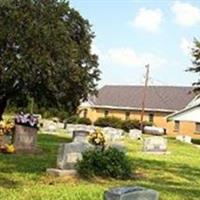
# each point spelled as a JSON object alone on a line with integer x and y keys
{"x": 176, "y": 175}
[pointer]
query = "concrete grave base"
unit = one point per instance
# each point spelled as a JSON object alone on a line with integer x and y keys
{"x": 61, "y": 172}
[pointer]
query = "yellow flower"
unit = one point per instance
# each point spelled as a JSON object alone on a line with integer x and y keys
{"x": 97, "y": 141}
{"x": 10, "y": 148}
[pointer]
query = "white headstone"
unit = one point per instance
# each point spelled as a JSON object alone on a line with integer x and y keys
{"x": 135, "y": 134}
{"x": 155, "y": 144}
{"x": 184, "y": 138}
{"x": 154, "y": 130}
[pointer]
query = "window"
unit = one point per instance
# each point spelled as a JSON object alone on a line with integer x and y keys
{"x": 127, "y": 115}
{"x": 198, "y": 127}
{"x": 151, "y": 116}
{"x": 176, "y": 125}
{"x": 106, "y": 112}
{"x": 85, "y": 113}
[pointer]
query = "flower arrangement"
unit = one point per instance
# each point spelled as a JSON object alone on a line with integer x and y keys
{"x": 97, "y": 138}
{"x": 27, "y": 120}
{"x": 6, "y": 131}
{"x": 6, "y": 127}
{"x": 8, "y": 148}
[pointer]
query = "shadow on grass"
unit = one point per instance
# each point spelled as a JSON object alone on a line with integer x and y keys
{"x": 168, "y": 177}
{"x": 187, "y": 172}
{"x": 34, "y": 163}
{"x": 183, "y": 192}
{"x": 8, "y": 183}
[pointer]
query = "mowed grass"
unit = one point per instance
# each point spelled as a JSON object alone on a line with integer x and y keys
{"x": 175, "y": 175}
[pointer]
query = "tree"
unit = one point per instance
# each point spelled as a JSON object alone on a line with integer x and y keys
{"x": 196, "y": 62}
{"x": 45, "y": 54}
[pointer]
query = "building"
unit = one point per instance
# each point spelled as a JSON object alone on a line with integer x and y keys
{"x": 188, "y": 119}
{"x": 125, "y": 102}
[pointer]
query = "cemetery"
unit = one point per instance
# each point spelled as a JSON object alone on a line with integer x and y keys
{"x": 62, "y": 137}
{"x": 50, "y": 172}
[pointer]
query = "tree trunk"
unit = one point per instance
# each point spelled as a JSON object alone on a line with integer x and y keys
{"x": 3, "y": 104}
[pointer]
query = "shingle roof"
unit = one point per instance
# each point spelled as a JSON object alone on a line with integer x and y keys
{"x": 157, "y": 97}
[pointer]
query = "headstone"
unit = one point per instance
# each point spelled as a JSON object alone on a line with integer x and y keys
{"x": 79, "y": 127}
{"x": 155, "y": 144}
{"x": 48, "y": 126}
{"x": 25, "y": 138}
{"x": 113, "y": 134}
{"x": 179, "y": 137}
{"x": 51, "y": 127}
{"x": 135, "y": 134}
{"x": 154, "y": 130}
{"x": 69, "y": 153}
{"x": 184, "y": 138}
{"x": 131, "y": 193}
{"x": 80, "y": 136}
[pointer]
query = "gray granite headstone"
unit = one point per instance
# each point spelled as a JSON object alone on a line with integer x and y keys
{"x": 155, "y": 144}
{"x": 80, "y": 135}
{"x": 131, "y": 193}
{"x": 25, "y": 138}
{"x": 69, "y": 153}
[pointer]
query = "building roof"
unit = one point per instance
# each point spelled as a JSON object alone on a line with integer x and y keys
{"x": 193, "y": 104}
{"x": 165, "y": 98}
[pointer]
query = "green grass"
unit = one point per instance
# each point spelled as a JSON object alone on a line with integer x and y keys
{"x": 176, "y": 175}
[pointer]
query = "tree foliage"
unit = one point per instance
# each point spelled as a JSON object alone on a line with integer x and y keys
{"x": 45, "y": 54}
{"x": 196, "y": 62}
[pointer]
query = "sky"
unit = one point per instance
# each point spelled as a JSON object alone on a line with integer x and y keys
{"x": 133, "y": 33}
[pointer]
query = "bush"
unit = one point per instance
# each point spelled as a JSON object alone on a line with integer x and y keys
{"x": 72, "y": 119}
{"x": 108, "y": 163}
{"x": 78, "y": 120}
{"x": 130, "y": 124}
{"x": 83, "y": 120}
{"x": 147, "y": 123}
{"x": 195, "y": 141}
{"x": 47, "y": 114}
{"x": 62, "y": 115}
{"x": 113, "y": 122}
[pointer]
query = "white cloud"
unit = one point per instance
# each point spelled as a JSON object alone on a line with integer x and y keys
{"x": 149, "y": 20}
{"x": 186, "y": 46}
{"x": 129, "y": 57}
{"x": 186, "y": 14}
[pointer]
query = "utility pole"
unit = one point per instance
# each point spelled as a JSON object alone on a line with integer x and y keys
{"x": 144, "y": 96}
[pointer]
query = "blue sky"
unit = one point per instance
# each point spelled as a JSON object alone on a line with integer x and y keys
{"x": 132, "y": 33}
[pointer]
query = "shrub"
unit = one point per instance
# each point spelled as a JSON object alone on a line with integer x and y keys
{"x": 147, "y": 123}
{"x": 72, "y": 119}
{"x": 108, "y": 121}
{"x": 130, "y": 124}
{"x": 84, "y": 120}
{"x": 195, "y": 141}
{"x": 47, "y": 114}
{"x": 62, "y": 115}
{"x": 108, "y": 163}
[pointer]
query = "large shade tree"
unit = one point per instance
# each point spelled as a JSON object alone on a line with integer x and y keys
{"x": 196, "y": 62}
{"x": 45, "y": 53}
